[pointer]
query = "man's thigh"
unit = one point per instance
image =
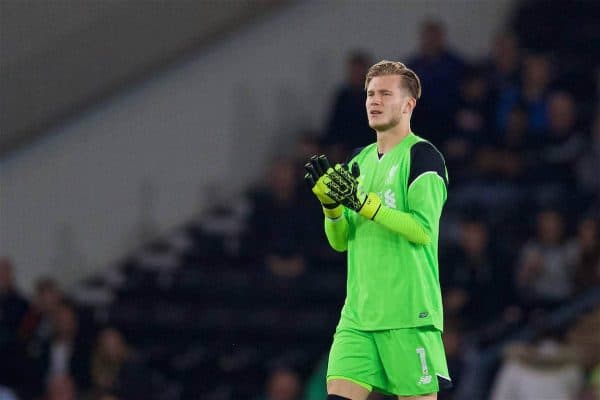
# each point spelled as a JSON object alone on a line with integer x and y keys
{"x": 414, "y": 361}
{"x": 347, "y": 389}
{"x": 353, "y": 357}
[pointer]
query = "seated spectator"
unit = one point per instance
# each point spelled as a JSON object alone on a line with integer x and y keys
{"x": 12, "y": 309}
{"x": 12, "y": 304}
{"x": 61, "y": 387}
{"x": 544, "y": 370}
{"x": 588, "y": 164}
{"x": 116, "y": 369}
{"x": 512, "y": 155}
{"x": 36, "y": 326}
{"x": 472, "y": 128}
{"x": 280, "y": 228}
{"x": 591, "y": 391}
{"x": 283, "y": 384}
{"x": 67, "y": 352}
{"x": 545, "y": 271}
{"x": 586, "y": 253}
{"x": 583, "y": 335}
{"x": 502, "y": 68}
{"x": 531, "y": 94}
{"x": 454, "y": 356}
{"x": 348, "y": 126}
{"x": 476, "y": 281}
{"x": 562, "y": 145}
{"x": 439, "y": 70}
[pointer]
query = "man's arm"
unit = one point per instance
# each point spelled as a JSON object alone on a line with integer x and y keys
{"x": 336, "y": 227}
{"x": 427, "y": 193}
{"x": 336, "y": 230}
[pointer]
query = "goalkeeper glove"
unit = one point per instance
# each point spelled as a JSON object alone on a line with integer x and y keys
{"x": 343, "y": 188}
{"x": 316, "y": 176}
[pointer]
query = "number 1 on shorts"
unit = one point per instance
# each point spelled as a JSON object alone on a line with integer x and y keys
{"x": 421, "y": 353}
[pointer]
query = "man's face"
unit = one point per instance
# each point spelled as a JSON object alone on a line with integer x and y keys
{"x": 386, "y": 102}
{"x": 561, "y": 113}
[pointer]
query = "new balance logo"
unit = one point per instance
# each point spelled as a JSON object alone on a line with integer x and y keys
{"x": 425, "y": 380}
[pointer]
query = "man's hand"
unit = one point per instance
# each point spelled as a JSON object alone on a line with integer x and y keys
{"x": 315, "y": 176}
{"x": 343, "y": 188}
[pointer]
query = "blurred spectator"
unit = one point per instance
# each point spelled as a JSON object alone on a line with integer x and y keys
{"x": 12, "y": 309}
{"x": 583, "y": 335}
{"x": 471, "y": 125}
{"x": 116, "y": 369}
{"x": 562, "y": 146}
{"x": 12, "y": 304}
{"x": 307, "y": 145}
{"x": 476, "y": 280}
{"x": 67, "y": 353}
{"x": 586, "y": 253}
{"x": 591, "y": 391}
{"x": 512, "y": 156}
{"x": 36, "y": 326}
{"x": 545, "y": 274}
{"x": 348, "y": 126}
{"x": 439, "y": 70}
{"x": 61, "y": 387}
{"x": 531, "y": 94}
{"x": 502, "y": 69}
{"x": 544, "y": 370}
{"x": 589, "y": 163}
{"x": 283, "y": 384}
{"x": 454, "y": 356}
{"x": 279, "y": 227}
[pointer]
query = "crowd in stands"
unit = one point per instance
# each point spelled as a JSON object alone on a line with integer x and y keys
{"x": 520, "y": 238}
{"x": 52, "y": 350}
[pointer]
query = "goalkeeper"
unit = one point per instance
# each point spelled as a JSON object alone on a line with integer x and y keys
{"x": 384, "y": 210}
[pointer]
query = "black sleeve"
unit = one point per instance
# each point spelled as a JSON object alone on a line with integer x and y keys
{"x": 424, "y": 157}
{"x": 354, "y": 154}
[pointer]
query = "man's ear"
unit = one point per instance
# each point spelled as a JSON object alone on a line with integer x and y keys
{"x": 409, "y": 106}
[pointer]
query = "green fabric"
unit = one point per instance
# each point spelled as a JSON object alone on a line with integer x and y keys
{"x": 405, "y": 362}
{"x": 403, "y": 223}
{"x": 392, "y": 281}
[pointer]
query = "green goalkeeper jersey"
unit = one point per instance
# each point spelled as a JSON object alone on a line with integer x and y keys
{"x": 392, "y": 282}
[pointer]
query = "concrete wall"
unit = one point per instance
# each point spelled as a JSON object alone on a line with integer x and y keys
{"x": 70, "y": 203}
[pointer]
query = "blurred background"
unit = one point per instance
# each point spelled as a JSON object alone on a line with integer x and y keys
{"x": 157, "y": 240}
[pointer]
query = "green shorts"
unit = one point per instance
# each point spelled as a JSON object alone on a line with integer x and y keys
{"x": 403, "y": 362}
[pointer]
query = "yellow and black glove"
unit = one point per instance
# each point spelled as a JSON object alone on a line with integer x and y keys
{"x": 316, "y": 177}
{"x": 343, "y": 188}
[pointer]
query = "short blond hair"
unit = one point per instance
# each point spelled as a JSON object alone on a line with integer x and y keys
{"x": 410, "y": 80}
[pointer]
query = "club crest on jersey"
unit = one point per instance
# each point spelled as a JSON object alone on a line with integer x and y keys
{"x": 389, "y": 198}
{"x": 390, "y": 176}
